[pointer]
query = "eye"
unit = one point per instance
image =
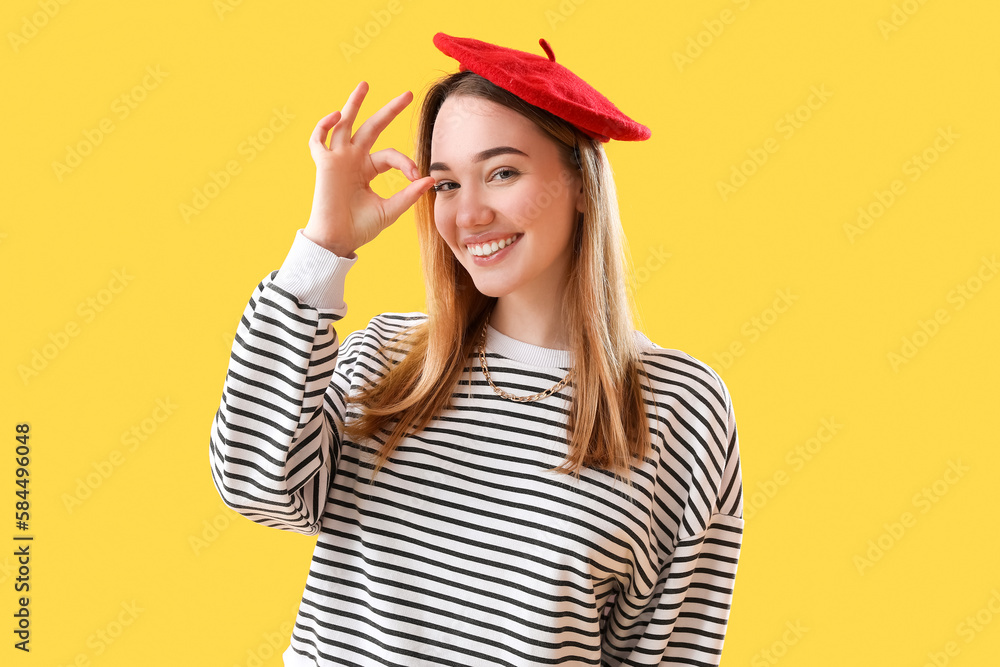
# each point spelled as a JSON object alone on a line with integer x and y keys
{"x": 441, "y": 187}
{"x": 508, "y": 170}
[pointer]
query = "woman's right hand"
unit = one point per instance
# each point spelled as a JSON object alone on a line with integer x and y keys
{"x": 346, "y": 212}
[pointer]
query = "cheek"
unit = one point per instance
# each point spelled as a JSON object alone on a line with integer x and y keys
{"x": 449, "y": 234}
{"x": 540, "y": 207}
{"x": 531, "y": 205}
{"x": 441, "y": 221}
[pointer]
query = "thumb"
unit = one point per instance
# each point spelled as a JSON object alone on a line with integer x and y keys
{"x": 407, "y": 197}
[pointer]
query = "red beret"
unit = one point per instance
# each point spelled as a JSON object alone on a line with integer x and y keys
{"x": 544, "y": 83}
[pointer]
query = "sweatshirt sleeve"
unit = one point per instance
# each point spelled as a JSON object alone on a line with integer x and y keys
{"x": 275, "y": 437}
{"x": 684, "y": 621}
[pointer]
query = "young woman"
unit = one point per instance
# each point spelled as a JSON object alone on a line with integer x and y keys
{"x": 516, "y": 477}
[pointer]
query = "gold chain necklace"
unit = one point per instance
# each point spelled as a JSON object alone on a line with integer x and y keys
{"x": 501, "y": 392}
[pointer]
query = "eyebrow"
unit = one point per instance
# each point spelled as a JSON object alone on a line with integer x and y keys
{"x": 480, "y": 156}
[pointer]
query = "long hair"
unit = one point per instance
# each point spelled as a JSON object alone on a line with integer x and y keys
{"x": 607, "y": 424}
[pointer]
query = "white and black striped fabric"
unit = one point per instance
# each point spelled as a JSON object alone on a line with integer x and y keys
{"x": 466, "y": 550}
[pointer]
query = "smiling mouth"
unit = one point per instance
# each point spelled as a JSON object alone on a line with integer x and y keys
{"x": 489, "y": 249}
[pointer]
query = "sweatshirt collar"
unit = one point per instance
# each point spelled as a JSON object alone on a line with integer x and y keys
{"x": 526, "y": 353}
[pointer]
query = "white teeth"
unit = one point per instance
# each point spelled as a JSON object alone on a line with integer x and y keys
{"x": 487, "y": 249}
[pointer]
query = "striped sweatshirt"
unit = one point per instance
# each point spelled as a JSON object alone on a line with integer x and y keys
{"x": 467, "y": 550}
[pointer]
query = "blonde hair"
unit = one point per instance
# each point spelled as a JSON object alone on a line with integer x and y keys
{"x": 607, "y": 422}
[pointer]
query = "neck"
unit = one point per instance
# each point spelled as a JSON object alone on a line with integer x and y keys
{"x": 530, "y": 321}
{"x": 533, "y": 312}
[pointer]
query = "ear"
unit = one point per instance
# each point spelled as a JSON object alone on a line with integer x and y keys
{"x": 581, "y": 198}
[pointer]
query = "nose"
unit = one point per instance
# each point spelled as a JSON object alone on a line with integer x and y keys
{"x": 472, "y": 207}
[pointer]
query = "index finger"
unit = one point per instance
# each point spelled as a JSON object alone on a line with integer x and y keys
{"x": 322, "y": 128}
{"x": 342, "y": 131}
{"x": 371, "y": 128}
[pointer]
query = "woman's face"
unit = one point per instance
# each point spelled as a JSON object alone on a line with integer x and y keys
{"x": 499, "y": 176}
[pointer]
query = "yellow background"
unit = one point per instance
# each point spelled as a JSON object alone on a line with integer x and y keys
{"x": 150, "y": 569}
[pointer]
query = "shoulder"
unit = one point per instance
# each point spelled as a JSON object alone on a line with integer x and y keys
{"x": 381, "y": 336}
{"x": 391, "y": 324}
{"x": 696, "y": 426}
{"x": 676, "y": 373}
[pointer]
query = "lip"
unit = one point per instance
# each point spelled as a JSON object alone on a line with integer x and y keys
{"x": 488, "y": 237}
{"x": 497, "y": 256}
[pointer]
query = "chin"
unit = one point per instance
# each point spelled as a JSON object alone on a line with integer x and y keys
{"x": 492, "y": 291}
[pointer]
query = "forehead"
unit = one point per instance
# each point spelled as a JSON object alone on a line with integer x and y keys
{"x": 464, "y": 124}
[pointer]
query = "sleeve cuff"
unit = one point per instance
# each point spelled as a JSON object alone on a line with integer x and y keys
{"x": 314, "y": 274}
